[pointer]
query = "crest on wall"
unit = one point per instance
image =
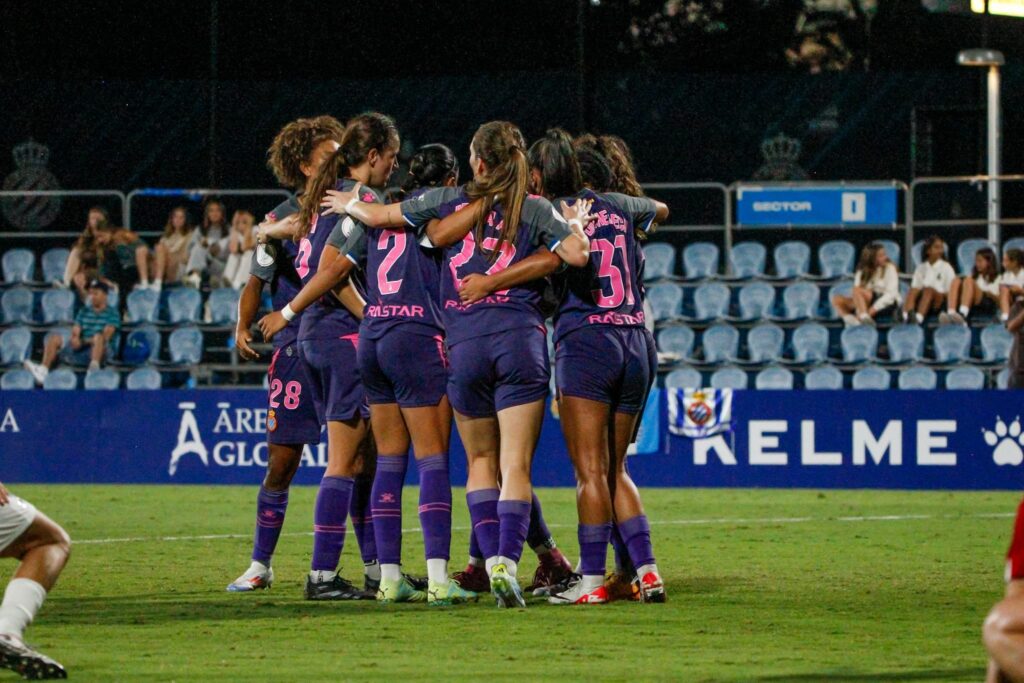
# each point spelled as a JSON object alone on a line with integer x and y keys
{"x": 781, "y": 154}
{"x": 31, "y": 173}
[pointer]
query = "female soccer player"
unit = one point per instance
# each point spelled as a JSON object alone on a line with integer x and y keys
{"x": 295, "y": 157}
{"x": 1003, "y": 632}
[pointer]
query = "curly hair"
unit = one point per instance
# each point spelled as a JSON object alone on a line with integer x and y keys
{"x": 294, "y": 144}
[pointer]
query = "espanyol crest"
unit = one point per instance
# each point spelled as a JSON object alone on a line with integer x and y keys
{"x": 698, "y": 413}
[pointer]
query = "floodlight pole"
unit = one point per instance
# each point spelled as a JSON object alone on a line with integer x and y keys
{"x": 992, "y": 59}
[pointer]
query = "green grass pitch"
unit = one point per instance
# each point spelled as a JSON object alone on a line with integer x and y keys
{"x": 763, "y": 585}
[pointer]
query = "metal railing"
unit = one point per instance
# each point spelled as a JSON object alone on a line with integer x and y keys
{"x": 51, "y": 234}
{"x": 661, "y": 191}
{"x": 195, "y": 195}
{"x": 993, "y": 228}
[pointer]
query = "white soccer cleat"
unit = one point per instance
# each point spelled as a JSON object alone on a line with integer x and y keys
{"x": 577, "y": 593}
{"x": 256, "y": 577}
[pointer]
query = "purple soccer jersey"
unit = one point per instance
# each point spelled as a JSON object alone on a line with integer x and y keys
{"x": 274, "y": 263}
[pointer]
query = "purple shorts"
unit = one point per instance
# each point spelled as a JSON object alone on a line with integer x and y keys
{"x": 499, "y": 371}
{"x": 613, "y": 365}
{"x": 291, "y": 417}
{"x": 334, "y": 375}
{"x": 402, "y": 367}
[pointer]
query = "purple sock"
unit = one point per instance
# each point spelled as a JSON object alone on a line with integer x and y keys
{"x": 362, "y": 517}
{"x": 386, "y": 507}
{"x": 622, "y": 561}
{"x": 594, "y": 547}
{"x": 474, "y": 547}
{"x": 515, "y": 520}
{"x": 538, "y": 535}
{"x": 270, "y": 509}
{"x": 332, "y": 502}
{"x": 636, "y": 532}
{"x": 435, "y": 506}
{"x": 483, "y": 513}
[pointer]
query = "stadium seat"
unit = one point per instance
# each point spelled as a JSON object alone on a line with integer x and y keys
{"x": 720, "y": 343}
{"x": 17, "y": 380}
{"x": 859, "y": 343}
{"x": 183, "y": 305}
{"x": 792, "y": 259}
{"x": 58, "y": 306}
{"x": 810, "y": 343}
{"x": 102, "y": 379}
{"x": 800, "y": 301}
{"x": 677, "y": 340}
{"x": 871, "y": 377}
{"x": 142, "y": 305}
{"x": 711, "y": 301}
{"x": 142, "y": 345}
{"x": 844, "y": 288}
{"x": 61, "y": 379}
{"x": 1003, "y": 379}
{"x": 995, "y": 343}
{"x": 666, "y": 300}
{"x": 764, "y": 343}
{"x": 747, "y": 259}
{"x": 54, "y": 262}
{"x": 15, "y": 345}
{"x": 905, "y": 343}
{"x": 966, "y": 250}
{"x": 825, "y": 377}
{"x": 142, "y": 378}
{"x": 1015, "y": 243}
{"x": 63, "y": 332}
{"x": 659, "y": 261}
{"x": 774, "y": 378}
{"x": 965, "y": 378}
{"x": 729, "y": 378}
{"x": 918, "y": 377}
{"x": 17, "y": 305}
{"x": 185, "y": 346}
{"x": 893, "y": 250}
{"x": 836, "y": 258}
{"x": 757, "y": 300}
{"x": 223, "y": 304}
{"x": 700, "y": 260}
{"x": 19, "y": 266}
{"x": 952, "y": 343}
{"x": 684, "y": 378}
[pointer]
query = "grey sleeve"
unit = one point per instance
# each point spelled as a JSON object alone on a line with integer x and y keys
{"x": 339, "y": 235}
{"x": 546, "y": 223}
{"x": 264, "y": 261}
{"x": 642, "y": 209}
{"x": 283, "y": 210}
{"x": 355, "y": 247}
{"x": 426, "y": 206}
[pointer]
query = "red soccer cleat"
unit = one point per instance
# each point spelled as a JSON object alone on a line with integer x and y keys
{"x": 553, "y": 568}
{"x": 473, "y": 578}
{"x": 652, "y": 588}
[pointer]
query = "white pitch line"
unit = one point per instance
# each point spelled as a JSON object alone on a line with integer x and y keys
{"x": 662, "y": 522}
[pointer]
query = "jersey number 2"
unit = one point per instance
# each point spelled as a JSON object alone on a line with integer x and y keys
{"x": 400, "y": 238}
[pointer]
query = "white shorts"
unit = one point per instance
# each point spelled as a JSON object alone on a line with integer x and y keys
{"x": 15, "y": 518}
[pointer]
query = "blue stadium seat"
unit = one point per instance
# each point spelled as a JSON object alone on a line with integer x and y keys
{"x": 15, "y": 345}
{"x": 1015, "y": 243}
{"x": 700, "y": 260}
{"x": 893, "y": 250}
{"x": 223, "y": 304}
{"x": 677, "y": 340}
{"x": 918, "y": 377}
{"x": 764, "y": 343}
{"x": 19, "y": 266}
{"x": 17, "y": 305}
{"x": 659, "y": 261}
{"x": 142, "y": 379}
{"x": 1003, "y": 378}
{"x": 859, "y": 343}
{"x": 836, "y": 258}
{"x": 142, "y": 345}
{"x": 183, "y": 305}
{"x": 952, "y": 343}
{"x": 774, "y": 378}
{"x": 757, "y": 300}
{"x": 792, "y": 259}
{"x": 966, "y": 250}
{"x": 684, "y": 378}
{"x": 63, "y": 332}
{"x": 916, "y": 251}
{"x": 825, "y": 377}
{"x": 17, "y": 380}
{"x": 58, "y": 306}
{"x": 844, "y": 288}
{"x": 747, "y": 259}
{"x": 810, "y": 343}
{"x": 729, "y": 378}
{"x": 800, "y": 301}
{"x": 54, "y": 262}
{"x": 905, "y": 343}
{"x": 61, "y": 379}
{"x": 711, "y": 301}
{"x": 102, "y": 379}
{"x": 185, "y": 345}
{"x": 142, "y": 305}
{"x": 666, "y": 300}
{"x": 965, "y": 378}
{"x": 995, "y": 343}
{"x": 871, "y": 377}
{"x": 720, "y": 343}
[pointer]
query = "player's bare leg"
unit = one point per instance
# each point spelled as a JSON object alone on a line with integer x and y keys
{"x": 1003, "y": 635}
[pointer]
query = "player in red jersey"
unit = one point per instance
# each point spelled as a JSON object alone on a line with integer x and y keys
{"x": 1003, "y": 632}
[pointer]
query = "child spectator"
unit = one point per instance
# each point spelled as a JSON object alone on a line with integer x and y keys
{"x": 208, "y": 251}
{"x": 980, "y": 288}
{"x": 172, "y": 251}
{"x": 241, "y": 246}
{"x": 930, "y": 284}
{"x": 83, "y": 261}
{"x": 93, "y": 337}
{"x": 876, "y": 287}
{"x": 1011, "y": 284}
{"x": 123, "y": 258}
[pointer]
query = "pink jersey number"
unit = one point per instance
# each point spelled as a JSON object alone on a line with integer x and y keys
{"x": 292, "y": 393}
{"x": 305, "y": 249}
{"x": 508, "y": 252}
{"x": 385, "y": 285}
{"x": 621, "y": 289}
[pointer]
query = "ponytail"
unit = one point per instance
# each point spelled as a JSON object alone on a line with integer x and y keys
{"x": 554, "y": 157}
{"x": 430, "y": 166}
{"x": 325, "y": 179}
{"x": 500, "y": 145}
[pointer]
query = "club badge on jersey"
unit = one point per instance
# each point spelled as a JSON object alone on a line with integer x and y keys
{"x": 698, "y": 413}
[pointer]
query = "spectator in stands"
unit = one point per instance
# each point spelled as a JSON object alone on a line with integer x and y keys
{"x": 123, "y": 258}
{"x": 876, "y": 287}
{"x": 83, "y": 261}
{"x": 1015, "y": 325}
{"x": 92, "y": 339}
{"x": 172, "y": 251}
{"x": 1011, "y": 283}
{"x": 241, "y": 246}
{"x": 930, "y": 285}
{"x": 980, "y": 288}
{"x": 208, "y": 251}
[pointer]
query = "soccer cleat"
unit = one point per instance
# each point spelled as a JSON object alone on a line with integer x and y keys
{"x": 451, "y": 593}
{"x": 373, "y": 585}
{"x": 505, "y": 588}
{"x": 652, "y": 588}
{"x": 256, "y": 577}
{"x": 398, "y": 591}
{"x": 553, "y": 568}
{"x": 335, "y": 589}
{"x": 17, "y": 656}
{"x": 575, "y": 594}
{"x": 620, "y": 586}
{"x": 473, "y": 578}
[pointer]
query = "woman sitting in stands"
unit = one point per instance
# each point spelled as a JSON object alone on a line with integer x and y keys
{"x": 876, "y": 287}
{"x": 979, "y": 289}
{"x": 83, "y": 261}
{"x": 171, "y": 252}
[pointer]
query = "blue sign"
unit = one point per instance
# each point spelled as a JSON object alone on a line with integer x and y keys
{"x": 816, "y": 206}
